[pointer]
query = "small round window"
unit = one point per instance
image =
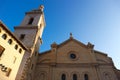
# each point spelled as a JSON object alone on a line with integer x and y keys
{"x": 10, "y": 41}
{"x": 4, "y": 36}
{"x": 20, "y": 50}
{"x": 16, "y": 47}
{"x": 73, "y": 56}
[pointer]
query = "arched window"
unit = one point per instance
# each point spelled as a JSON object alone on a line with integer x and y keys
{"x": 42, "y": 76}
{"x": 74, "y": 77}
{"x": 85, "y": 77}
{"x": 107, "y": 76}
{"x": 31, "y": 21}
{"x": 63, "y": 77}
{"x": 10, "y": 41}
{"x": 4, "y": 36}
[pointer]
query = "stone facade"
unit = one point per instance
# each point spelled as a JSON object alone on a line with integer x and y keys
{"x": 73, "y": 60}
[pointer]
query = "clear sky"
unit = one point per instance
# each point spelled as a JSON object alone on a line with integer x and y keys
{"x": 95, "y": 21}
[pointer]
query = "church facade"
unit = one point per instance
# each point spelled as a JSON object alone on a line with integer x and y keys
{"x": 71, "y": 60}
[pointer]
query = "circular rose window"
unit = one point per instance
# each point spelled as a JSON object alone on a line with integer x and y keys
{"x": 72, "y": 56}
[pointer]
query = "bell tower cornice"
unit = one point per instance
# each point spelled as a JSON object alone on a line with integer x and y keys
{"x": 37, "y": 11}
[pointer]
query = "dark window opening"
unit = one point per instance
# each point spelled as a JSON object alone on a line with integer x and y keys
{"x": 85, "y": 77}
{"x": 4, "y": 36}
{"x": 22, "y": 36}
{"x": 10, "y": 41}
{"x": 63, "y": 77}
{"x": 1, "y": 50}
{"x": 20, "y": 50}
{"x": 31, "y": 21}
{"x": 74, "y": 77}
{"x": 16, "y": 47}
{"x": 72, "y": 56}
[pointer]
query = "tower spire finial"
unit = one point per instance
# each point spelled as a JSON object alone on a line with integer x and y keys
{"x": 41, "y": 7}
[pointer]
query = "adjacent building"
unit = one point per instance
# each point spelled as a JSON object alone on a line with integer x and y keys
{"x": 11, "y": 54}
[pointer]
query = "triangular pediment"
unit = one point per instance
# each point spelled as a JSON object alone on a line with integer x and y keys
{"x": 69, "y": 41}
{"x": 65, "y": 49}
{"x": 74, "y": 41}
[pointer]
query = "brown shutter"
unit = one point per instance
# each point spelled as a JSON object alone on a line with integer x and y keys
{"x": 1, "y": 50}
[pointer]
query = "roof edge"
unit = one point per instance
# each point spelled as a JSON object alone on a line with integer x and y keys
{"x": 5, "y": 27}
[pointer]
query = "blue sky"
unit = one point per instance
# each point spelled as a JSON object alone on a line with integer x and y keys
{"x": 95, "y": 21}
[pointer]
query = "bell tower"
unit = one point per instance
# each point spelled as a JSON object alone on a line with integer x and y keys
{"x": 35, "y": 18}
{"x": 31, "y": 28}
{"x": 30, "y": 34}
